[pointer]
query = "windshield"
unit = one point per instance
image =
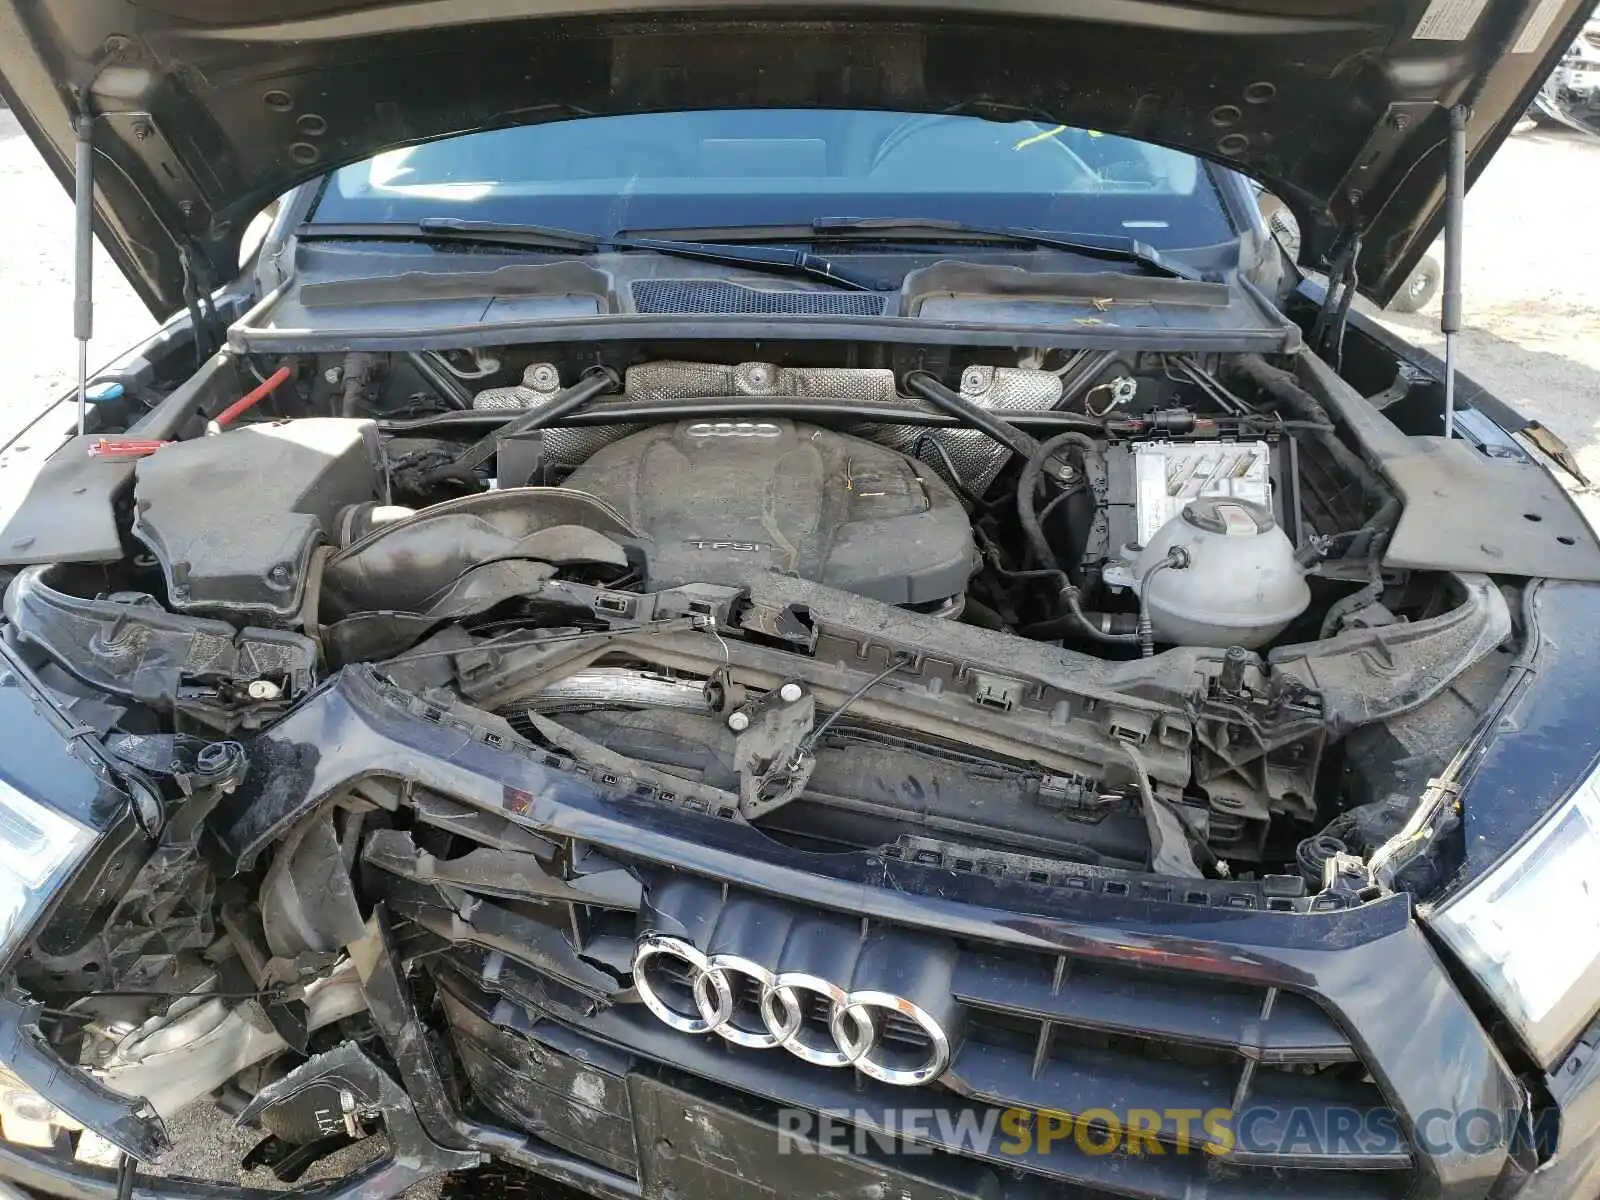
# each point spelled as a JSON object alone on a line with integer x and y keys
{"x": 786, "y": 167}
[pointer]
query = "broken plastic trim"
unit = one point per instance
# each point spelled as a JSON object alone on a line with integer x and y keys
{"x": 128, "y": 1123}
{"x": 394, "y": 1012}
{"x": 170, "y": 661}
{"x": 412, "y": 1158}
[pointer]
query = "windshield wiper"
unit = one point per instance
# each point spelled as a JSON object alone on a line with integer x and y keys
{"x": 545, "y": 237}
{"x": 1114, "y": 247}
{"x": 1111, "y": 247}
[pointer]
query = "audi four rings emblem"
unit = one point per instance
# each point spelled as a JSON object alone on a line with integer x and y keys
{"x": 698, "y": 993}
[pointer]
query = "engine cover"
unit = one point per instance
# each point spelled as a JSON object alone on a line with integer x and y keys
{"x": 720, "y": 501}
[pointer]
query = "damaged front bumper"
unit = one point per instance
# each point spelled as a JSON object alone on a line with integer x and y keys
{"x": 568, "y": 1077}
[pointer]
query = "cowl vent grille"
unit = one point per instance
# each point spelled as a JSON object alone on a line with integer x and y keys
{"x": 715, "y": 296}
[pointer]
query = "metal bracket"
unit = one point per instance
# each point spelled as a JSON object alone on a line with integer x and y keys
{"x": 139, "y": 132}
{"x": 1385, "y": 141}
{"x": 770, "y": 751}
{"x": 356, "y": 1088}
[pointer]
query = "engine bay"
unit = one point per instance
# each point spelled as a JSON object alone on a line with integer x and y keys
{"x": 1115, "y": 609}
{"x": 471, "y": 658}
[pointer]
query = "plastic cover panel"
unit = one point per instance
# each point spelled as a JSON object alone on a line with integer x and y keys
{"x": 719, "y": 501}
{"x": 234, "y": 519}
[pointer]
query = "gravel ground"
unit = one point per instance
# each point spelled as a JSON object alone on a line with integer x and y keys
{"x": 36, "y": 287}
{"x": 1531, "y": 288}
{"x": 1532, "y": 282}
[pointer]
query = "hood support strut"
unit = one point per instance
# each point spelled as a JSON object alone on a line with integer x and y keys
{"x": 83, "y": 252}
{"x": 1455, "y": 190}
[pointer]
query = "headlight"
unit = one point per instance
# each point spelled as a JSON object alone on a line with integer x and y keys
{"x": 38, "y": 849}
{"x": 1530, "y": 928}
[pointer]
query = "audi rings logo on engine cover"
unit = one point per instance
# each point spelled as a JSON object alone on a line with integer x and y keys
{"x": 812, "y": 1018}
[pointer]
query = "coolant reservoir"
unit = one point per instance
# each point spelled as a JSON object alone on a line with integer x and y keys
{"x": 1241, "y": 586}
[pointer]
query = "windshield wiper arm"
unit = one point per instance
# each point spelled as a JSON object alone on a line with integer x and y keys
{"x": 452, "y": 229}
{"x": 546, "y": 237}
{"x": 777, "y": 261}
{"x": 1113, "y": 247}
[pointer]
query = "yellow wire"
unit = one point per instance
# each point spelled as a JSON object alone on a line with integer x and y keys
{"x": 1040, "y": 137}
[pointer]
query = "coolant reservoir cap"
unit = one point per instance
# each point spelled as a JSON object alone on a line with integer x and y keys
{"x": 1227, "y": 516}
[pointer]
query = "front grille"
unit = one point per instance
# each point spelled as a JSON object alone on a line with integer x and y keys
{"x": 1066, "y": 1034}
{"x": 717, "y": 296}
{"x": 1043, "y": 1032}
{"x": 622, "y": 1042}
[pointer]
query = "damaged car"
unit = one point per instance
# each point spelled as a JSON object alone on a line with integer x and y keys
{"x": 718, "y": 574}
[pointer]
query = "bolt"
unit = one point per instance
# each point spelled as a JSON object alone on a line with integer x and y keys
{"x": 1400, "y": 122}
{"x": 142, "y": 130}
{"x": 1234, "y": 660}
{"x": 790, "y": 692}
{"x": 739, "y": 721}
{"x": 263, "y": 689}
{"x": 279, "y": 574}
{"x": 1355, "y": 196}
{"x": 1065, "y": 473}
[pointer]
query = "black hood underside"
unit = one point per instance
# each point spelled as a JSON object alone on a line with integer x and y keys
{"x": 205, "y": 110}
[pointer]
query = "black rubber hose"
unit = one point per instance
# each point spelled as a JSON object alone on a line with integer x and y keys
{"x": 1075, "y": 618}
{"x": 1355, "y": 601}
{"x": 1283, "y": 387}
{"x": 1028, "y": 481}
{"x": 448, "y": 388}
{"x": 980, "y": 418}
{"x": 980, "y": 614}
{"x": 1114, "y": 628}
{"x": 357, "y": 373}
{"x": 1368, "y": 541}
{"x": 596, "y": 382}
{"x": 1375, "y": 533}
{"x": 1312, "y": 855}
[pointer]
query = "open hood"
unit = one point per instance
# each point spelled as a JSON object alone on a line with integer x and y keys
{"x": 205, "y": 110}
